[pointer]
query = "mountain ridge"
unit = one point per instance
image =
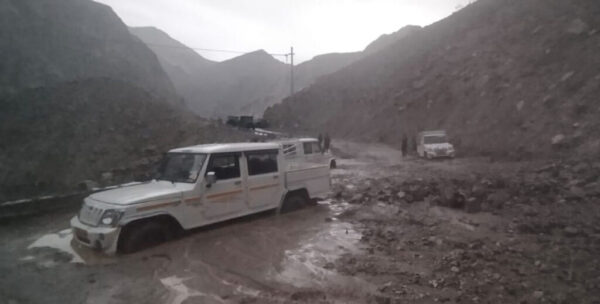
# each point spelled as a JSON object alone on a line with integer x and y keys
{"x": 244, "y": 85}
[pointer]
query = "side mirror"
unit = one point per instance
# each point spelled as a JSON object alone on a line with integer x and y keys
{"x": 210, "y": 178}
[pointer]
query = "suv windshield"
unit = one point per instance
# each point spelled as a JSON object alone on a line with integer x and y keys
{"x": 436, "y": 139}
{"x": 181, "y": 167}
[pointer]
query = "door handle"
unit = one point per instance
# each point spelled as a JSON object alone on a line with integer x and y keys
{"x": 238, "y": 183}
{"x": 275, "y": 176}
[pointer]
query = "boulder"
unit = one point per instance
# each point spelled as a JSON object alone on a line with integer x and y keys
{"x": 88, "y": 185}
{"x": 498, "y": 198}
{"x": 401, "y": 194}
{"x": 567, "y": 76}
{"x": 558, "y": 139}
{"x": 538, "y": 294}
{"x": 356, "y": 199}
{"x": 577, "y": 27}
{"x": 150, "y": 149}
{"x": 571, "y": 231}
{"x": 107, "y": 177}
{"x": 479, "y": 191}
{"x": 472, "y": 205}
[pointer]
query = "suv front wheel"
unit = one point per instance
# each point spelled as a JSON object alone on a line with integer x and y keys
{"x": 144, "y": 234}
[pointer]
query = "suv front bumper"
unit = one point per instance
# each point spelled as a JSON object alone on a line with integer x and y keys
{"x": 439, "y": 154}
{"x": 99, "y": 238}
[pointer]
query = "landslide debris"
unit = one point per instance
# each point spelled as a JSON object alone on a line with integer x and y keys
{"x": 528, "y": 236}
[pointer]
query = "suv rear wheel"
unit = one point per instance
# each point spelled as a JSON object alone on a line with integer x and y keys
{"x": 294, "y": 201}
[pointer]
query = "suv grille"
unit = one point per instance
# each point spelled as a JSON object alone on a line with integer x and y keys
{"x": 90, "y": 215}
{"x": 441, "y": 151}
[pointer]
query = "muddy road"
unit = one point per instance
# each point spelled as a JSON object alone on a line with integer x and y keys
{"x": 392, "y": 231}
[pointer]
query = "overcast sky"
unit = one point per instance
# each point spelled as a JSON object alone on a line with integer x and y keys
{"x": 313, "y": 27}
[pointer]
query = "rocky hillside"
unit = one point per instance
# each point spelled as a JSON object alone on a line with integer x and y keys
{"x": 55, "y": 138}
{"x": 82, "y": 99}
{"x": 247, "y": 84}
{"x": 506, "y": 77}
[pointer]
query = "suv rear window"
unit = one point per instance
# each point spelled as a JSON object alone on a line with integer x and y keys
{"x": 262, "y": 162}
{"x": 289, "y": 149}
{"x": 307, "y": 148}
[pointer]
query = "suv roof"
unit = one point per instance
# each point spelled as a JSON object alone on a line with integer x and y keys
{"x": 226, "y": 147}
{"x": 437, "y": 132}
{"x": 302, "y": 140}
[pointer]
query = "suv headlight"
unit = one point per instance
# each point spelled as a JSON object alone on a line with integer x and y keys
{"x": 110, "y": 217}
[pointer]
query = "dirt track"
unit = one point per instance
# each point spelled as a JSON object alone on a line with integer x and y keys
{"x": 393, "y": 231}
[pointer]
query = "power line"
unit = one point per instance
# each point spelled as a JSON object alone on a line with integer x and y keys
{"x": 290, "y": 54}
{"x": 208, "y": 50}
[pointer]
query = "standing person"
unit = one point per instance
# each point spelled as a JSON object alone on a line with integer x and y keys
{"x": 320, "y": 142}
{"x": 404, "y": 145}
{"x": 414, "y": 144}
{"x": 326, "y": 142}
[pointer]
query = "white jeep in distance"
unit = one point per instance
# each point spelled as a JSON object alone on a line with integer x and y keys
{"x": 434, "y": 144}
{"x": 197, "y": 186}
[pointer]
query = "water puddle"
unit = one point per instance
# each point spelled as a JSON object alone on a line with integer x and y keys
{"x": 180, "y": 292}
{"x": 312, "y": 263}
{"x": 60, "y": 241}
{"x": 242, "y": 290}
{"x": 63, "y": 242}
{"x": 27, "y": 258}
{"x": 335, "y": 209}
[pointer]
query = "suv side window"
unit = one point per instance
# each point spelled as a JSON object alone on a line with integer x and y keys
{"x": 262, "y": 162}
{"x": 225, "y": 165}
{"x": 307, "y": 148}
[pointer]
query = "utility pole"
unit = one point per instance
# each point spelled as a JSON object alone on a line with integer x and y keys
{"x": 292, "y": 71}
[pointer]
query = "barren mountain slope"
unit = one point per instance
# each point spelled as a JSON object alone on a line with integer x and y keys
{"x": 54, "y": 138}
{"x": 502, "y": 76}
